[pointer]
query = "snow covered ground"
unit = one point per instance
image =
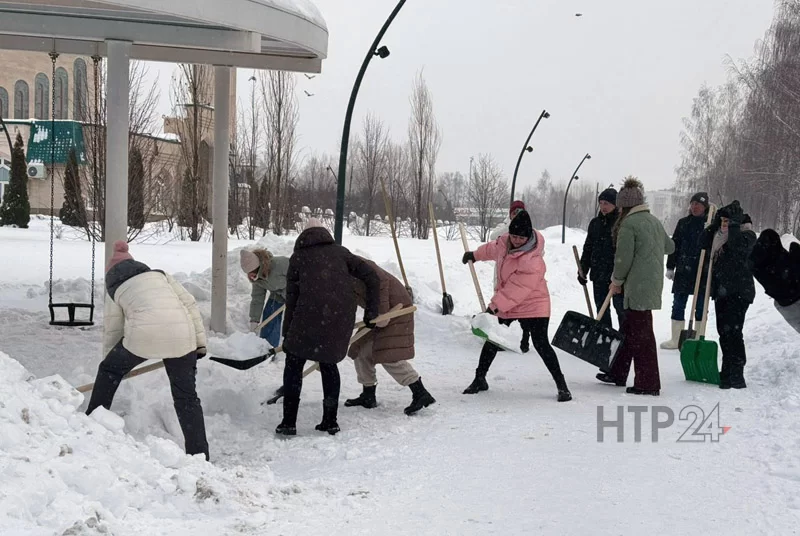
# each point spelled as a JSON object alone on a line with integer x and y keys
{"x": 508, "y": 461}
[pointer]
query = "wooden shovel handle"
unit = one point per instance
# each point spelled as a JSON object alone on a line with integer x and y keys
{"x": 606, "y": 303}
{"x": 696, "y": 288}
{"x": 363, "y": 332}
{"x": 388, "y": 203}
{"x": 136, "y": 372}
{"x": 472, "y": 268}
{"x": 436, "y": 243}
{"x": 271, "y": 317}
{"x": 585, "y": 290}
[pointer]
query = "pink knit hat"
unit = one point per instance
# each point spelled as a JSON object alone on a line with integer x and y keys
{"x": 249, "y": 261}
{"x": 120, "y": 254}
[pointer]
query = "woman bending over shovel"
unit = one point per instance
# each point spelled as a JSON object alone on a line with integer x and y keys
{"x": 391, "y": 346}
{"x": 320, "y": 311}
{"x": 267, "y": 273}
{"x": 521, "y": 294}
{"x": 151, "y": 316}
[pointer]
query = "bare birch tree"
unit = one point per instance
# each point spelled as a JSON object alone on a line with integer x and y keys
{"x": 281, "y": 118}
{"x": 487, "y": 192}
{"x": 372, "y": 163}
{"x": 424, "y": 142}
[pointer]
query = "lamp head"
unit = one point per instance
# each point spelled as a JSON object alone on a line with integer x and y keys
{"x": 529, "y": 149}
{"x": 383, "y": 52}
{"x": 546, "y": 114}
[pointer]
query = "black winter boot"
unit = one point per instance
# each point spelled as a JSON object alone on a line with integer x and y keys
{"x": 421, "y": 398}
{"x": 488, "y": 354}
{"x": 330, "y": 409}
{"x": 288, "y": 425}
{"x": 366, "y": 399}
{"x": 563, "y": 392}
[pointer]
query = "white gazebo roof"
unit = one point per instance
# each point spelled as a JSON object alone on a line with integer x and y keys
{"x": 260, "y": 34}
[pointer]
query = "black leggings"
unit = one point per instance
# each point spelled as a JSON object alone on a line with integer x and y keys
{"x": 537, "y": 327}
{"x": 293, "y": 378}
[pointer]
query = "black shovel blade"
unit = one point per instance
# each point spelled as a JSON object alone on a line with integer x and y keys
{"x": 589, "y": 340}
{"x": 686, "y": 335}
{"x": 447, "y": 304}
{"x": 242, "y": 364}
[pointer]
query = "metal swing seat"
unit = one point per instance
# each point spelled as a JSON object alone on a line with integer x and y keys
{"x": 71, "y": 307}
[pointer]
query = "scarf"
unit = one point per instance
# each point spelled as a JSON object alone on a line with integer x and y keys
{"x": 721, "y": 238}
{"x": 530, "y": 245}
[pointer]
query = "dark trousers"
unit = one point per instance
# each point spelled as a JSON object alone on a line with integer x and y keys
{"x": 600, "y": 289}
{"x": 730, "y": 322}
{"x": 537, "y": 328}
{"x": 679, "y": 302}
{"x": 639, "y": 348}
{"x": 293, "y": 379}
{"x": 181, "y": 371}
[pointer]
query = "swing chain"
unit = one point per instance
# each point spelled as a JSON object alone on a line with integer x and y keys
{"x": 53, "y": 57}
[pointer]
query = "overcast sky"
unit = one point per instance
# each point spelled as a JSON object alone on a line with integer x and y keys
{"x": 617, "y": 81}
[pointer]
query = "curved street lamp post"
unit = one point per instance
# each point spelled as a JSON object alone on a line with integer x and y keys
{"x": 564, "y": 215}
{"x": 527, "y": 148}
{"x": 383, "y": 52}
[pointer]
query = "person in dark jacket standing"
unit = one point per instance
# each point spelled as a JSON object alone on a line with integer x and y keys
{"x": 682, "y": 266}
{"x": 597, "y": 260}
{"x": 319, "y": 318}
{"x": 778, "y": 271}
{"x": 729, "y": 242}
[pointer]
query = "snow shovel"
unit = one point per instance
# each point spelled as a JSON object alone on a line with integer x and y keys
{"x": 388, "y": 204}
{"x": 361, "y": 333}
{"x": 472, "y": 268}
{"x": 699, "y": 357}
{"x": 583, "y": 276}
{"x": 132, "y": 374}
{"x": 691, "y": 333}
{"x": 245, "y": 364}
{"x": 447, "y": 299}
{"x": 589, "y": 339}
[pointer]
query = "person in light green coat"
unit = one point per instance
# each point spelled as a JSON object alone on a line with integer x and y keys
{"x": 267, "y": 273}
{"x": 641, "y": 247}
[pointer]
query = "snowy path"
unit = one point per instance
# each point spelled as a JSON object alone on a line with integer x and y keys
{"x": 508, "y": 461}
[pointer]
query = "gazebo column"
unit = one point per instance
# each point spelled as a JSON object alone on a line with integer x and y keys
{"x": 219, "y": 208}
{"x": 117, "y": 130}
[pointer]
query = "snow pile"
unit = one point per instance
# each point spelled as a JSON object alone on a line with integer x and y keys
{"x": 63, "y": 471}
{"x": 507, "y": 337}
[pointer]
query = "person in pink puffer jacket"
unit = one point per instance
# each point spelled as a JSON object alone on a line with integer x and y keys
{"x": 521, "y": 294}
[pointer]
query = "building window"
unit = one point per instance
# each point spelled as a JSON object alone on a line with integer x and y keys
{"x": 3, "y": 103}
{"x": 61, "y": 86}
{"x": 41, "y": 97}
{"x": 21, "y": 110}
{"x": 80, "y": 103}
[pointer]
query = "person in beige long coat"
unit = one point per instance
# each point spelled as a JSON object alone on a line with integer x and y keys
{"x": 391, "y": 345}
{"x": 151, "y": 316}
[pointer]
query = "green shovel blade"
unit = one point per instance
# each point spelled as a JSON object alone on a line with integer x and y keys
{"x": 699, "y": 361}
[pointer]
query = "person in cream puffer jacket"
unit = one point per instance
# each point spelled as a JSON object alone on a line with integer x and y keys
{"x": 151, "y": 316}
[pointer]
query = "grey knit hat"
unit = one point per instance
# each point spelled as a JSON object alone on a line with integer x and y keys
{"x": 631, "y": 194}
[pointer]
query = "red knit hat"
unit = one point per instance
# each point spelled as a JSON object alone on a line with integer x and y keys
{"x": 120, "y": 254}
{"x": 516, "y": 205}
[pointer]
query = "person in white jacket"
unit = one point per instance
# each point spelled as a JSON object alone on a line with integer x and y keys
{"x": 151, "y": 316}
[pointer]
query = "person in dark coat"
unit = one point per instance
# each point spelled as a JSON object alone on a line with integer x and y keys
{"x": 778, "y": 271}
{"x": 597, "y": 260}
{"x": 682, "y": 267}
{"x": 319, "y": 318}
{"x": 391, "y": 346}
{"x": 729, "y": 241}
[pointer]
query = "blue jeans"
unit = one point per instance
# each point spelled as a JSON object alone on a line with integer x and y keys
{"x": 679, "y": 302}
{"x": 272, "y": 331}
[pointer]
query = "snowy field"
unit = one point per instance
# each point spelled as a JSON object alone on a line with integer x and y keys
{"x": 508, "y": 461}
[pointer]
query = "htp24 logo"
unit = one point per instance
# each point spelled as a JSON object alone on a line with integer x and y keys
{"x": 698, "y": 427}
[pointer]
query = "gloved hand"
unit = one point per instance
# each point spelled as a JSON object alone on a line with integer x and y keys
{"x": 201, "y": 352}
{"x": 733, "y": 212}
{"x": 776, "y": 269}
{"x": 582, "y": 280}
{"x": 468, "y": 257}
{"x": 670, "y": 274}
{"x": 254, "y": 327}
{"x": 369, "y": 322}
{"x": 492, "y": 309}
